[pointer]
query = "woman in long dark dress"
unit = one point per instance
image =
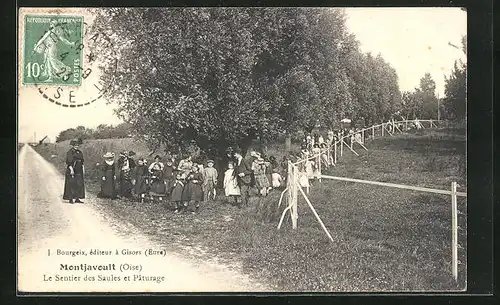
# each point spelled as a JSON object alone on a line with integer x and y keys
{"x": 140, "y": 180}
{"x": 169, "y": 175}
{"x": 108, "y": 177}
{"x": 125, "y": 166}
{"x": 74, "y": 187}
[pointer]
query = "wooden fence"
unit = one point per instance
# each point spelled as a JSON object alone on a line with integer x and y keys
{"x": 293, "y": 186}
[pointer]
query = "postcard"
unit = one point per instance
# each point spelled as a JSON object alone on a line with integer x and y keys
{"x": 241, "y": 149}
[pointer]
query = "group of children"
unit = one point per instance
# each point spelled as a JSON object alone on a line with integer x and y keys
{"x": 182, "y": 187}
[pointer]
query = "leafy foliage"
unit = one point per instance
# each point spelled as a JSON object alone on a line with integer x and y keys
{"x": 221, "y": 76}
{"x": 421, "y": 103}
{"x": 102, "y": 131}
{"x": 455, "y": 89}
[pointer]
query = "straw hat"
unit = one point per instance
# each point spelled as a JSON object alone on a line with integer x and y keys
{"x": 211, "y": 161}
{"x": 109, "y": 155}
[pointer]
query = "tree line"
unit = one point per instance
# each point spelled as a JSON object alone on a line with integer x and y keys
{"x": 225, "y": 76}
{"x": 102, "y": 131}
{"x": 422, "y": 102}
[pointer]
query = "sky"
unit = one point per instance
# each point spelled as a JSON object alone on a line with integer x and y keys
{"x": 413, "y": 40}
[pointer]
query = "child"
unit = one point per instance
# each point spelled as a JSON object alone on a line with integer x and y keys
{"x": 357, "y": 137}
{"x": 324, "y": 154}
{"x": 185, "y": 165}
{"x": 308, "y": 168}
{"x": 261, "y": 180}
{"x": 193, "y": 191}
{"x": 274, "y": 163}
{"x": 139, "y": 180}
{"x": 176, "y": 195}
{"x": 231, "y": 188}
{"x": 303, "y": 177}
{"x": 158, "y": 188}
{"x": 351, "y": 137}
{"x": 269, "y": 173}
{"x": 321, "y": 140}
{"x": 316, "y": 152}
{"x": 309, "y": 141}
{"x": 276, "y": 180}
{"x": 168, "y": 174}
{"x": 209, "y": 181}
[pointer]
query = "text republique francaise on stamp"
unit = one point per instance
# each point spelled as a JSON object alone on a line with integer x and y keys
{"x": 58, "y": 59}
{"x": 53, "y": 50}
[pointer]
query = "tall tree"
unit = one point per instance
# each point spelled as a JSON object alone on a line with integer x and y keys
{"x": 422, "y": 102}
{"x": 220, "y": 76}
{"x": 189, "y": 76}
{"x": 427, "y": 95}
{"x": 456, "y": 89}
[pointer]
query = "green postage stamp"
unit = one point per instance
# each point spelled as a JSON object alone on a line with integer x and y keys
{"x": 53, "y": 47}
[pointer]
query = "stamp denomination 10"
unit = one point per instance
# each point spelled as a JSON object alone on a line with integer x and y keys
{"x": 53, "y": 50}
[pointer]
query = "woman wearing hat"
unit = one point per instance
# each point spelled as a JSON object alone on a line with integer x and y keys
{"x": 108, "y": 177}
{"x": 74, "y": 187}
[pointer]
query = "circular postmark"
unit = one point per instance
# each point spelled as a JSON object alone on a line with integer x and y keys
{"x": 63, "y": 62}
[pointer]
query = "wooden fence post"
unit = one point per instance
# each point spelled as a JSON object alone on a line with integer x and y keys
{"x": 291, "y": 185}
{"x": 382, "y": 128}
{"x": 341, "y": 148}
{"x": 328, "y": 155}
{"x": 295, "y": 214}
{"x": 316, "y": 215}
{"x": 319, "y": 166}
{"x": 373, "y": 132}
{"x": 454, "y": 241}
{"x": 363, "y": 136}
{"x": 288, "y": 189}
{"x": 335, "y": 152}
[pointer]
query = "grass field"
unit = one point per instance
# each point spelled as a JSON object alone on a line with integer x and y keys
{"x": 385, "y": 239}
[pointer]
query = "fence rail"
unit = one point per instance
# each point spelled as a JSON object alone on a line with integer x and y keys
{"x": 293, "y": 186}
{"x": 383, "y": 126}
{"x": 401, "y": 186}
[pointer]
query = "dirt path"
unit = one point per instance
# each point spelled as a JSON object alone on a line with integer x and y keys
{"x": 47, "y": 223}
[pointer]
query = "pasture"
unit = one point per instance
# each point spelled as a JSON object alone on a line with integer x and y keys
{"x": 384, "y": 239}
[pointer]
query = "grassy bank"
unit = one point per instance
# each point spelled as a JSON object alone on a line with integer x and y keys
{"x": 384, "y": 239}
